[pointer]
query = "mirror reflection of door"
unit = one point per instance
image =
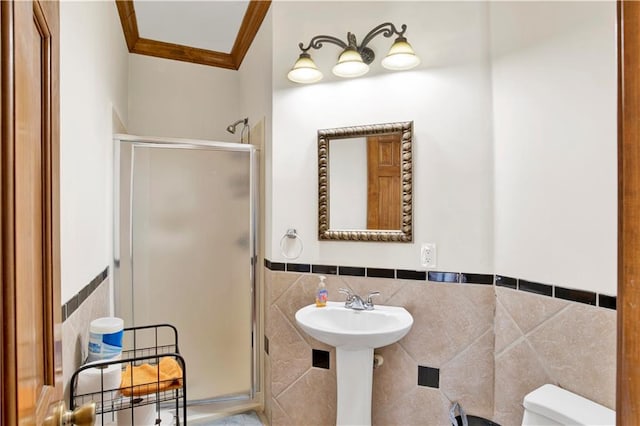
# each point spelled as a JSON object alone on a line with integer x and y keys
{"x": 365, "y": 183}
{"x": 383, "y": 182}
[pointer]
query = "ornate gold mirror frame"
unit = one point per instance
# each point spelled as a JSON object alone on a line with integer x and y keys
{"x": 405, "y": 233}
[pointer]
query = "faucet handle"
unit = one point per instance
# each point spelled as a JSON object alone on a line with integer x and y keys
{"x": 370, "y": 295}
{"x": 346, "y": 292}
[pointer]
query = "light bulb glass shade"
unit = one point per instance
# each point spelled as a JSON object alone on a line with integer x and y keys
{"x": 401, "y": 56}
{"x": 304, "y": 70}
{"x": 350, "y": 64}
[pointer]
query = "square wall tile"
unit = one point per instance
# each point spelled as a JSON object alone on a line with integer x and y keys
{"x": 320, "y": 359}
{"x": 428, "y": 376}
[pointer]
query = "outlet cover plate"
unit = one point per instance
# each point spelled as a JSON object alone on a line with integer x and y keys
{"x": 428, "y": 255}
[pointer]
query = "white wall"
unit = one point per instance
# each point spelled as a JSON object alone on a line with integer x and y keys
{"x": 554, "y": 100}
{"x": 255, "y": 102}
{"x": 93, "y": 85}
{"x": 555, "y": 188}
{"x": 448, "y": 98}
{"x": 180, "y": 99}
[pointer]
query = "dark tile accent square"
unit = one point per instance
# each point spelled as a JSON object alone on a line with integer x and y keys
{"x": 403, "y": 274}
{"x": 267, "y": 263}
{"x": 276, "y": 266}
{"x": 509, "y": 282}
{"x": 537, "y": 288}
{"x": 63, "y": 317}
{"x": 324, "y": 269}
{"x": 266, "y": 345}
{"x": 320, "y": 359}
{"x": 443, "y": 277}
{"x": 580, "y": 296}
{"x": 476, "y": 278}
{"x": 381, "y": 273}
{"x": 298, "y": 267}
{"x": 605, "y": 301}
{"x": 428, "y": 376}
{"x": 72, "y": 305}
{"x": 352, "y": 271}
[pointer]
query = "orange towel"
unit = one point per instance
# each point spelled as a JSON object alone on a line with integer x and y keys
{"x": 145, "y": 379}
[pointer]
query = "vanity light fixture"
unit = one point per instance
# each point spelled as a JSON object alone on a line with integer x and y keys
{"x": 354, "y": 59}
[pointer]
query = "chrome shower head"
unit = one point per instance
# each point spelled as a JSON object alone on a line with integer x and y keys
{"x": 231, "y": 128}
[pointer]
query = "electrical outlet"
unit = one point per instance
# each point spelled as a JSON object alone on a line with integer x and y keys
{"x": 428, "y": 255}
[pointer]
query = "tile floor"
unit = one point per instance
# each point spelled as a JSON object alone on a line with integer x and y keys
{"x": 244, "y": 419}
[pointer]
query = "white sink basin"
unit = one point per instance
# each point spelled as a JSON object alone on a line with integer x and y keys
{"x": 338, "y": 326}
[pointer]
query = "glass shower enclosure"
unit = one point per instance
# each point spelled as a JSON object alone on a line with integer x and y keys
{"x": 185, "y": 254}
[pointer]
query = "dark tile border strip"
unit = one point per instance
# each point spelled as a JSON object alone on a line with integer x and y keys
{"x": 274, "y": 266}
{"x": 537, "y": 288}
{"x": 77, "y": 299}
{"x": 298, "y": 267}
{"x": 324, "y": 269}
{"x": 381, "y": 273}
{"x": 351, "y": 271}
{"x": 580, "y": 296}
{"x": 549, "y": 290}
{"x": 609, "y": 302}
{"x": 403, "y": 274}
{"x": 443, "y": 277}
{"x": 476, "y": 278}
{"x": 508, "y": 282}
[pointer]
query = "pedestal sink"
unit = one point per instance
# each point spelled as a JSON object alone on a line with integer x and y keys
{"x": 355, "y": 334}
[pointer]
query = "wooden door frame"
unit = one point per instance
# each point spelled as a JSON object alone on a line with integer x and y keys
{"x": 628, "y": 361}
{"x": 8, "y": 385}
{"x": 45, "y": 13}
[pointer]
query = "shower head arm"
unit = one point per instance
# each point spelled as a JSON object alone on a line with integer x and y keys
{"x": 232, "y": 127}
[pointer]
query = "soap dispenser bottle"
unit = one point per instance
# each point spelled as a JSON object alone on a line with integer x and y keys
{"x": 322, "y": 294}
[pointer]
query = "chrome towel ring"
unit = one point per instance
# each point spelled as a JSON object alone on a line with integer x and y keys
{"x": 291, "y": 234}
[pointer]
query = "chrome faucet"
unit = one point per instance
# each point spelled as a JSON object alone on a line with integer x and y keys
{"x": 356, "y": 302}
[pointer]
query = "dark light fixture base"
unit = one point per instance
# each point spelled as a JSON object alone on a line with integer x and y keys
{"x": 367, "y": 55}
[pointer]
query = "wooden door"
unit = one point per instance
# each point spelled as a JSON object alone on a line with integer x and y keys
{"x": 384, "y": 193}
{"x": 30, "y": 339}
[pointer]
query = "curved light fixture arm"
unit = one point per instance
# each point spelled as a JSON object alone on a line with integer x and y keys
{"x": 316, "y": 42}
{"x": 387, "y": 29}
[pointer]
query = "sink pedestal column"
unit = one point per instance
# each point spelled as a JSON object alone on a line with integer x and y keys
{"x": 354, "y": 373}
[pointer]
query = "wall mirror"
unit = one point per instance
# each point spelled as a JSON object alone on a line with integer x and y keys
{"x": 365, "y": 183}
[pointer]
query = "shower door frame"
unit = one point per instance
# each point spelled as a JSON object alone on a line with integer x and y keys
{"x": 194, "y": 144}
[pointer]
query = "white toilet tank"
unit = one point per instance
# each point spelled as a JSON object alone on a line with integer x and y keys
{"x": 549, "y": 406}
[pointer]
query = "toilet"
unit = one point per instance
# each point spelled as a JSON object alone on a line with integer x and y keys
{"x": 550, "y": 405}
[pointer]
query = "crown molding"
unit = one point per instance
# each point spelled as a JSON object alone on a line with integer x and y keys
{"x": 256, "y": 11}
{"x": 253, "y": 17}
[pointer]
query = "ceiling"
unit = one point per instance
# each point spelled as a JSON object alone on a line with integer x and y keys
{"x": 215, "y": 33}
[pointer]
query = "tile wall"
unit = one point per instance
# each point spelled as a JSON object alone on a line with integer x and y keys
{"x": 540, "y": 340}
{"x": 480, "y": 344}
{"x": 90, "y": 303}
